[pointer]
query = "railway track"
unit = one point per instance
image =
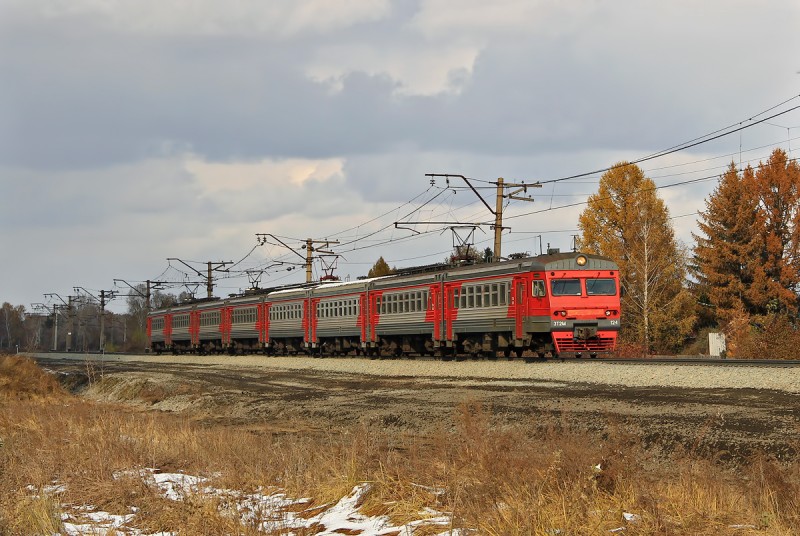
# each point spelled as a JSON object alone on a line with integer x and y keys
{"x": 658, "y": 360}
{"x": 705, "y": 361}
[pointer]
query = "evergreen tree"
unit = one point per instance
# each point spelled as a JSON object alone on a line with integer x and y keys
{"x": 726, "y": 257}
{"x": 749, "y": 258}
{"x": 777, "y": 277}
{"x": 628, "y": 222}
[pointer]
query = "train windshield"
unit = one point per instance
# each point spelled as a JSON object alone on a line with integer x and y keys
{"x": 566, "y": 287}
{"x": 601, "y": 287}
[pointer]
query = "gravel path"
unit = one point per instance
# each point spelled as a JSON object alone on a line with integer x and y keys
{"x": 593, "y": 372}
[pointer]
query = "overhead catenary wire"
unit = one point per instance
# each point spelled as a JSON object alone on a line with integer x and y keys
{"x": 725, "y": 131}
{"x": 373, "y": 239}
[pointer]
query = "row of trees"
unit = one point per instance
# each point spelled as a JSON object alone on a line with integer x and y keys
{"x": 747, "y": 261}
{"x": 78, "y": 327}
{"x": 21, "y": 330}
{"x": 744, "y": 269}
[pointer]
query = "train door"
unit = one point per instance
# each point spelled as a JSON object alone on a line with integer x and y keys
{"x": 435, "y": 306}
{"x": 310, "y": 321}
{"x": 362, "y": 323}
{"x": 262, "y": 324}
{"x": 194, "y": 327}
{"x": 168, "y": 329}
{"x": 449, "y": 309}
{"x": 306, "y": 320}
{"x": 519, "y": 305}
{"x": 226, "y": 324}
{"x": 374, "y": 315}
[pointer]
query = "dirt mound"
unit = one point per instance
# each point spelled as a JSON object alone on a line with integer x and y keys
{"x": 21, "y": 377}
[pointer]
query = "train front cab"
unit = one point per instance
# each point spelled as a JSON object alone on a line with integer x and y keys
{"x": 584, "y": 302}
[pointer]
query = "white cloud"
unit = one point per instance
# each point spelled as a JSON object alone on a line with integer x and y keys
{"x": 417, "y": 69}
{"x": 259, "y": 177}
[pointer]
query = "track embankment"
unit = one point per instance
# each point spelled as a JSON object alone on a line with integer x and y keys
{"x": 616, "y": 373}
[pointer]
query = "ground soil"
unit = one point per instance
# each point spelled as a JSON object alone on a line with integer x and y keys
{"x": 729, "y": 423}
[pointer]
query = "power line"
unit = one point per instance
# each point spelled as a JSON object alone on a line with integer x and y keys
{"x": 691, "y": 143}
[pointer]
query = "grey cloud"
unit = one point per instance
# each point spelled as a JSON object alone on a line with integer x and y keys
{"x": 82, "y": 96}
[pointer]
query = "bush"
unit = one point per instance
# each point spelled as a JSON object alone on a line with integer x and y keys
{"x": 764, "y": 337}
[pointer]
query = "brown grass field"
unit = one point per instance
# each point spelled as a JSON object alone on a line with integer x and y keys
{"x": 510, "y": 480}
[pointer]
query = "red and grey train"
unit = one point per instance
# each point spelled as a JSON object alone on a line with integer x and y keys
{"x": 561, "y": 304}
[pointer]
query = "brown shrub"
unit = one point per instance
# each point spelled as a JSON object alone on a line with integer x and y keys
{"x": 763, "y": 337}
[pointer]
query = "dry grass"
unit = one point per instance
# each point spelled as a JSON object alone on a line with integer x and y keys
{"x": 497, "y": 480}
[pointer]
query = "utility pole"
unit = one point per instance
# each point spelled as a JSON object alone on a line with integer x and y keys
{"x": 150, "y": 286}
{"x": 310, "y": 249}
{"x": 209, "y": 275}
{"x": 70, "y": 323}
{"x": 70, "y": 319}
{"x": 41, "y": 306}
{"x": 498, "y": 210}
{"x": 105, "y": 295}
{"x": 309, "y": 246}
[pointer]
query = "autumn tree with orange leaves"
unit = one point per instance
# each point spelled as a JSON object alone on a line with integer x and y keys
{"x": 726, "y": 257}
{"x": 627, "y": 221}
{"x": 749, "y": 259}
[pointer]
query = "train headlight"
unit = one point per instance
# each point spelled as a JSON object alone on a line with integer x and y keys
{"x": 608, "y": 313}
{"x": 563, "y": 313}
{"x": 581, "y": 260}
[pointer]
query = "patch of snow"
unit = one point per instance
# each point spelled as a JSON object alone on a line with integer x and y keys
{"x": 269, "y": 512}
{"x": 176, "y": 486}
{"x": 631, "y": 518}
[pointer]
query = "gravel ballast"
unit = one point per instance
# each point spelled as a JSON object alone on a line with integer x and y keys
{"x": 593, "y": 372}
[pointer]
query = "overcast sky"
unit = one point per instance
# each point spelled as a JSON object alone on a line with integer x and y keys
{"x": 136, "y": 130}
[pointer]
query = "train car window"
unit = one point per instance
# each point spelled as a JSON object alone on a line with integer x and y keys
{"x": 457, "y": 298}
{"x": 470, "y": 297}
{"x": 565, "y": 287}
{"x": 487, "y": 295}
{"x": 601, "y": 287}
{"x": 539, "y": 289}
{"x": 478, "y": 297}
{"x": 495, "y": 295}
